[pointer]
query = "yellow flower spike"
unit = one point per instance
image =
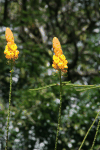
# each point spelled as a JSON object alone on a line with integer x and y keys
{"x": 57, "y": 46}
{"x": 9, "y": 35}
{"x": 56, "y": 42}
{"x": 11, "y": 48}
{"x": 59, "y": 60}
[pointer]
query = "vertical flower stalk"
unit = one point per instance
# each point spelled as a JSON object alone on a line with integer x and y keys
{"x": 11, "y": 54}
{"x": 9, "y": 107}
{"x": 95, "y": 135}
{"x": 89, "y": 130}
{"x": 60, "y": 64}
{"x": 59, "y": 118}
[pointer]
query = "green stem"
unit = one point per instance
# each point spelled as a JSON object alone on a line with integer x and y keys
{"x": 88, "y": 131}
{"x": 59, "y": 118}
{"x": 95, "y": 135}
{"x": 9, "y": 108}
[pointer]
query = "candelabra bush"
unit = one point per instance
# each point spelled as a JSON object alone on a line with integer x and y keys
{"x": 61, "y": 65}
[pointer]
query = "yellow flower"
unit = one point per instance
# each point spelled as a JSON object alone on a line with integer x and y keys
{"x": 9, "y": 35}
{"x": 56, "y": 43}
{"x": 11, "y": 48}
{"x": 59, "y": 60}
{"x": 57, "y": 47}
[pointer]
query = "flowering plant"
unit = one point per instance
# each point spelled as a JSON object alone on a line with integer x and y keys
{"x": 11, "y": 54}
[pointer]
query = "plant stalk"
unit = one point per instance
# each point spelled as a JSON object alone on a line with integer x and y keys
{"x": 7, "y": 129}
{"x": 59, "y": 118}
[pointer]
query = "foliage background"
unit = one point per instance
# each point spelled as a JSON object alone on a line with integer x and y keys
{"x": 34, "y": 115}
